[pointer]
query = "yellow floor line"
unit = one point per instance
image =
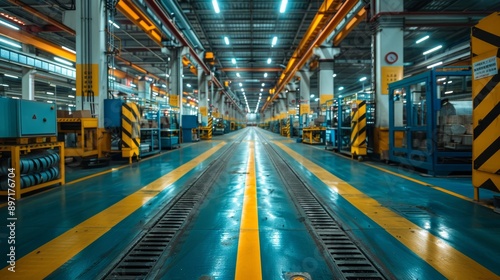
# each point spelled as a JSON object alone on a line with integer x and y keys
{"x": 429, "y": 185}
{"x": 434, "y": 250}
{"x": 248, "y": 263}
{"x": 41, "y": 262}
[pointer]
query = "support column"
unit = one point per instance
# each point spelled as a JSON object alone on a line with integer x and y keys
{"x": 91, "y": 62}
{"x": 325, "y": 77}
{"x": 176, "y": 82}
{"x": 203, "y": 96}
{"x": 303, "y": 94}
{"x": 388, "y": 60}
{"x": 28, "y": 84}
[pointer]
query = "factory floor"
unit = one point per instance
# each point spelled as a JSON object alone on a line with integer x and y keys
{"x": 247, "y": 227}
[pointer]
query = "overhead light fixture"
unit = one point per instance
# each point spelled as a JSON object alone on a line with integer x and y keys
{"x": 422, "y": 39}
{"x": 73, "y": 89}
{"x": 114, "y": 24}
{"x": 275, "y": 40}
{"x": 265, "y": 75}
{"x": 362, "y": 79}
{"x": 242, "y": 89}
{"x": 448, "y": 92}
{"x": 434, "y": 65}
{"x": 216, "y": 6}
{"x": 312, "y": 95}
{"x": 263, "y": 84}
{"x": 11, "y": 76}
{"x": 10, "y": 43}
{"x": 4, "y": 85}
{"x": 71, "y": 96}
{"x": 188, "y": 85}
{"x": 50, "y": 93}
{"x": 63, "y": 61}
{"x": 240, "y": 84}
{"x": 238, "y": 75}
{"x": 269, "y": 61}
{"x": 334, "y": 75}
{"x": 432, "y": 50}
{"x": 226, "y": 40}
{"x": 316, "y": 99}
{"x": 9, "y": 25}
{"x": 283, "y": 6}
{"x": 261, "y": 89}
{"x": 441, "y": 79}
{"x": 233, "y": 60}
{"x": 341, "y": 88}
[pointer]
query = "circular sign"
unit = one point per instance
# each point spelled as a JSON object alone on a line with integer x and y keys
{"x": 391, "y": 57}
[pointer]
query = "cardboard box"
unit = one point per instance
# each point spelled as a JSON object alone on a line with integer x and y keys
{"x": 82, "y": 114}
{"x": 63, "y": 114}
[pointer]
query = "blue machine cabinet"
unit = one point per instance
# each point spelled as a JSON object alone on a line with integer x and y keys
{"x": 26, "y": 118}
{"x": 430, "y": 121}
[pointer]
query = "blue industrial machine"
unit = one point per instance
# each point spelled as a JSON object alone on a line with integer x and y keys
{"x": 189, "y": 123}
{"x": 218, "y": 126}
{"x": 430, "y": 121}
{"x": 26, "y": 118}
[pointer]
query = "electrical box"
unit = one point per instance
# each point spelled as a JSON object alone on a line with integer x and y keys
{"x": 26, "y": 118}
{"x": 112, "y": 113}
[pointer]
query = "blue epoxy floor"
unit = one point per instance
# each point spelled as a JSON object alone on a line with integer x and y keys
{"x": 210, "y": 245}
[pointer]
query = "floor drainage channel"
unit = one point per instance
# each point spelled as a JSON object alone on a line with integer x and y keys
{"x": 139, "y": 261}
{"x": 344, "y": 257}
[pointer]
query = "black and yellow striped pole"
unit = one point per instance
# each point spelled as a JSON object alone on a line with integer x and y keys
{"x": 131, "y": 131}
{"x": 210, "y": 127}
{"x": 485, "y": 44}
{"x": 288, "y": 127}
{"x": 358, "y": 129}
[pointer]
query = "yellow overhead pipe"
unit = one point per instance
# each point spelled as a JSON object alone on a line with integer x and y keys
{"x": 234, "y": 69}
{"x": 31, "y": 39}
{"x": 361, "y": 15}
{"x": 135, "y": 15}
{"x": 304, "y": 55}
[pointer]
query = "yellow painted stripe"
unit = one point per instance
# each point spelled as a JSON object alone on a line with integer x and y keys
{"x": 429, "y": 185}
{"x": 248, "y": 265}
{"x": 41, "y": 262}
{"x": 434, "y": 250}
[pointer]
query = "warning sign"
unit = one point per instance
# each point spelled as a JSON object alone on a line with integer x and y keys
{"x": 485, "y": 68}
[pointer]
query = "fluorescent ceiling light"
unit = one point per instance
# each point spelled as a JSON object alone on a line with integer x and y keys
{"x": 4, "y": 85}
{"x": 114, "y": 24}
{"x": 71, "y": 96}
{"x": 226, "y": 40}
{"x": 448, "y": 92}
{"x": 265, "y": 75}
{"x": 68, "y": 49}
{"x": 263, "y": 84}
{"x": 11, "y": 76}
{"x": 10, "y": 43}
{"x": 316, "y": 99}
{"x": 341, "y": 88}
{"x": 240, "y": 84}
{"x": 422, "y": 39}
{"x": 216, "y": 6}
{"x": 441, "y": 79}
{"x": 74, "y": 89}
{"x": 283, "y": 6}
{"x": 242, "y": 89}
{"x": 63, "y": 61}
{"x": 50, "y": 93}
{"x": 9, "y": 25}
{"x": 238, "y": 75}
{"x": 188, "y": 85}
{"x": 275, "y": 40}
{"x": 432, "y": 50}
{"x": 269, "y": 61}
{"x": 50, "y": 101}
{"x": 362, "y": 79}
{"x": 434, "y": 65}
{"x": 334, "y": 75}
{"x": 312, "y": 95}
{"x": 233, "y": 60}
{"x": 449, "y": 82}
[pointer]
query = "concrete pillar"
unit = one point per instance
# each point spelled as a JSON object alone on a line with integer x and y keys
{"x": 28, "y": 84}
{"x": 304, "y": 96}
{"x": 325, "y": 76}
{"x": 91, "y": 63}
{"x": 388, "y": 66}
{"x": 176, "y": 81}
{"x": 203, "y": 96}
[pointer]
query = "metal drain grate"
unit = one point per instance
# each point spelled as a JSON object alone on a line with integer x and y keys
{"x": 345, "y": 258}
{"x": 141, "y": 259}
